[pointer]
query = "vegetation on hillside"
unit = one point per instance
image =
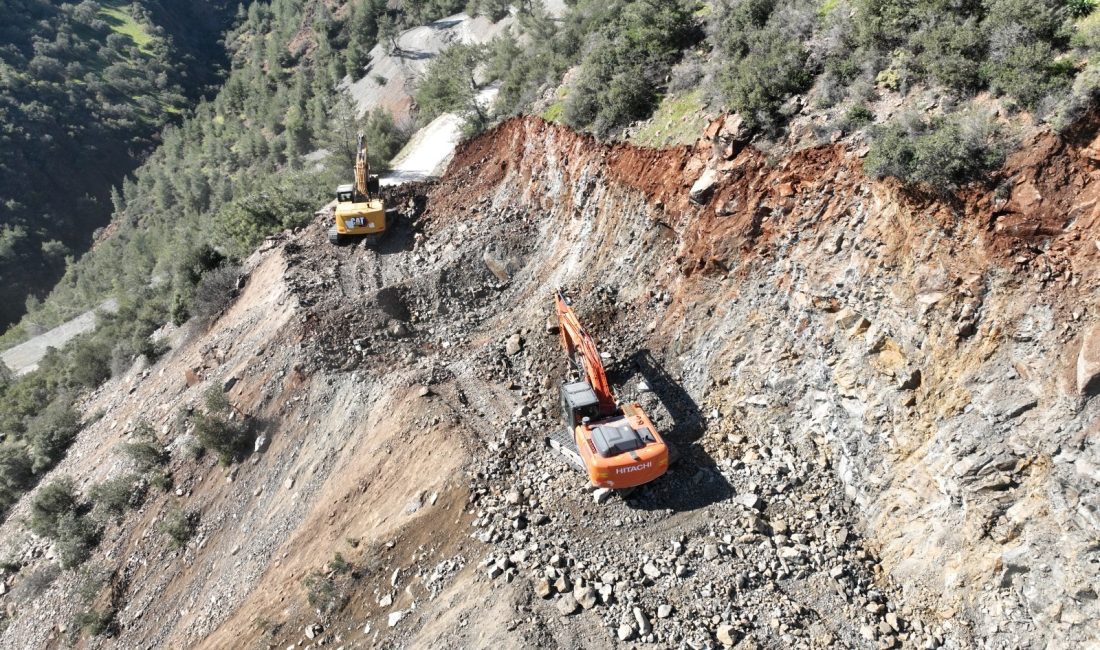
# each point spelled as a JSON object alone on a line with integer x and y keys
{"x": 228, "y": 175}
{"x": 84, "y": 88}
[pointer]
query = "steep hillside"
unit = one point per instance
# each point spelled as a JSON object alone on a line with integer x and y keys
{"x": 880, "y": 402}
{"x": 84, "y": 89}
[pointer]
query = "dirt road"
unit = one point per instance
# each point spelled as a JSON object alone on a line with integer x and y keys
{"x": 24, "y": 358}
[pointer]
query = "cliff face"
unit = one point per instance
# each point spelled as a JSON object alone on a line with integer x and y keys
{"x": 881, "y": 403}
{"x": 938, "y": 349}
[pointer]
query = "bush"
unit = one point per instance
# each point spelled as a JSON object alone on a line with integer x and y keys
{"x": 626, "y": 62}
{"x": 179, "y": 526}
{"x": 764, "y": 61}
{"x": 113, "y": 497}
{"x": 941, "y": 153}
{"x": 50, "y": 433}
{"x": 15, "y": 475}
{"x": 77, "y": 538}
{"x": 56, "y": 514}
{"x": 95, "y": 622}
{"x": 323, "y": 594}
{"x": 231, "y": 441}
{"x": 215, "y": 292}
{"x": 53, "y": 502}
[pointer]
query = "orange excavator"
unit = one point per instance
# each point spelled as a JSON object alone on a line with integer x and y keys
{"x": 616, "y": 444}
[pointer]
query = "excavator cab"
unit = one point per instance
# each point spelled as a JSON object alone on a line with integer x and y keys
{"x": 578, "y": 401}
{"x": 345, "y": 193}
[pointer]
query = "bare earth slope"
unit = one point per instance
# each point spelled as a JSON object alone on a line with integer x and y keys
{"x": 879, "y": 401}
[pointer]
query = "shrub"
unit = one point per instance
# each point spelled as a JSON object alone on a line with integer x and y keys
{"x": 626, "y": 62}
{"x": 215, "y": 292}
{"x": 53, "y": 502}
{"x": 145, "y": 454}
{"x": 941, "y": 153}
{"x": 77, "y": 538}
{"x": 113, "y": 497}
{"x": 91, "y": 362}
{"x": 51, "y": 432}
{"x": 858, "y": 116}
{"x": 323, "y": 594}
{"x": 96, "y": 622}
{"x": 765, "y": 62}
{"x": 15, "y": 474}
{"x": 230, "y": 440}
{"x": 179, "y": 525}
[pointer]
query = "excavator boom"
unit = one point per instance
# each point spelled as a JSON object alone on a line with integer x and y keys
{"x": 581, "y": 348}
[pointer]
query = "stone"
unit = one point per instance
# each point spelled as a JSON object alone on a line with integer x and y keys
{"x": 651, "y": 570}
{"x": 496, "y": 266}
{"x": 625, "y": 632}
{"x": 513, "y": 345}
{"x": 562, "y": 584}
{"x": 710, "y": 551}
{"x": 229, "y": 383}
{"x": 385, "y": 601}
{"x": 586, "y": 596}
{"x": 424, "y": 391}
{"x": 261, "y": 443}
{"x": 644, "y": 626}
{"x": 567, "y": 605}
{"x": 313, "y": 630}
{"x": 727, "y": 635}
{"x": 751, "y": 501}
{"x": 601, "y": 495}
{"x": 512, "y": 497}
{"x": 892, "y": 621}
{"x": 544, "y": 589}
{"x": 289, "y": 483}
{"x": 1088, "y": 362}
{"x": 395, "y": 617}
{"x": 664, "y": 611}
{"x": 703, "y": 187}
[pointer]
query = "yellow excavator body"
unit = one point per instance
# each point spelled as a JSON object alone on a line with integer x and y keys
{"x": 359, "y": 206}
{"x": 364, "y": 218}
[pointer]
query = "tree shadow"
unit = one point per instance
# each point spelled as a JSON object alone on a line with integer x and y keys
{"x": 693, "y": 480}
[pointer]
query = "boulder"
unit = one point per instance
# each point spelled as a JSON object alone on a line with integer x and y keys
{"x": 567, "y": 605}
{"x": 727, "y": 635}
{"x": 1088, "y": 362}
{"x": 703, "y": 187}
{"x": 586, "y": 596}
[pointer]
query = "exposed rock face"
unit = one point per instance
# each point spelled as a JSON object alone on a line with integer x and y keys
{"x": 1088, "y": 361}
{"x": 923, "y": 346}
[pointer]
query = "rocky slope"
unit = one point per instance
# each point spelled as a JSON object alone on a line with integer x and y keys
{"x": 881, "y": 404}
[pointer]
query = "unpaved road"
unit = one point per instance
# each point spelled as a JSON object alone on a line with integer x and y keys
{"x": 24, "y": 357}
{"x": 431, "y": 148}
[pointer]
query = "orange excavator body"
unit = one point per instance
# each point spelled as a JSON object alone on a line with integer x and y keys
{"x": 618, "y": 444}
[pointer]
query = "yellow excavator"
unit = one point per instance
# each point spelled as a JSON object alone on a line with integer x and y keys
{"x": 359, "y": 208}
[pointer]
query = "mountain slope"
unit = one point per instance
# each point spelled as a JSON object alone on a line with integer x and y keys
{"x": 84, "y": 89}
{"x": 868, "y": 459}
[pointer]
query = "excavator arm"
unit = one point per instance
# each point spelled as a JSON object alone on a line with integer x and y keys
{"x": 581, "y": 348}
{"x": 362, "y": 168}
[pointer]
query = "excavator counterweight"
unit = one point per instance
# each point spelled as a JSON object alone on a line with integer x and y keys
{"x": 617, "y": 443}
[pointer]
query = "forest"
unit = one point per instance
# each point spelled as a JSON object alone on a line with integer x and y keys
{"x": 84, "y": 90}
